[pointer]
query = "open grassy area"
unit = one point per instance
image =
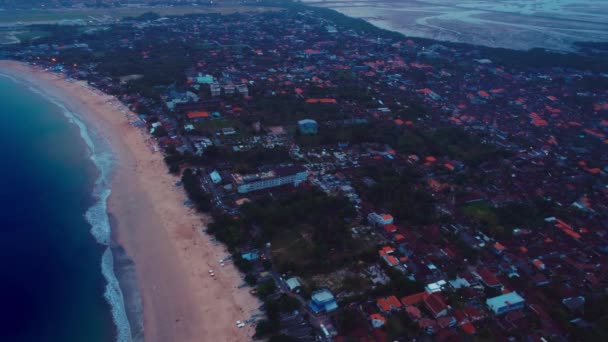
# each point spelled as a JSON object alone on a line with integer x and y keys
{"x": 51, "y": 16}
{"x": 482, "y": 211}
{"x": 291, "y": 248}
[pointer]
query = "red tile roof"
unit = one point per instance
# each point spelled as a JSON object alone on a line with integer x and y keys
{"x": 488, "y": 277}
{"x": 389, "y": 303}
{"x": 414, "y": 299}
{"x": 195, "y": 115}
{"x": 435, "y": 303}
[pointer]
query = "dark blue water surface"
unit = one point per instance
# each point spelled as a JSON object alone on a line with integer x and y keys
{"x": 51, "y": 285}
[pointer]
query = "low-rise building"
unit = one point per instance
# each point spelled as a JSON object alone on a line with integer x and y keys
{"x": 505, "y": 303}
{"x": 215, "y": 177}
{"x": 307, "y": 126}
{"x": 380, "y": 219}
{"x": 322, "y": 301}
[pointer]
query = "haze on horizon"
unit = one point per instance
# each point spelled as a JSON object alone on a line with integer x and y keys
{"x": 516, "y": 24}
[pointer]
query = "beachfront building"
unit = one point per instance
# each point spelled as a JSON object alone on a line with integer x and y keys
{"x": 307, "y": 126}
{"x": 322, "y": 301}
{"x": 505, "y": 303}
{"x": 282, "y": 175}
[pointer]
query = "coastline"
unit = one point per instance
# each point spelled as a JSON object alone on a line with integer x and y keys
{"x": 164, "y": 238}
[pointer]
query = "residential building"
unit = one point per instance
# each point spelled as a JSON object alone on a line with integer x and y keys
{"x": 322, "y": 301}
{"x": 307, "y": 126}
{"x": 436, "y": 305}
{"x": 389, "y": 304}
{"x": 293, "y": 284}
{"x": 215, "y": 177}
{"x": 505, "y": 303}
{"x": 380, "y": 219}
{"x": 377, "y": 320}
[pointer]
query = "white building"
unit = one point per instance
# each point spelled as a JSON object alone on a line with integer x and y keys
{"x": 505, "y": 303}
{"x": 279, "y": 176}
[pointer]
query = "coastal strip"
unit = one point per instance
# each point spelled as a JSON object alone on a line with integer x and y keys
{"x": 164, "y": 238}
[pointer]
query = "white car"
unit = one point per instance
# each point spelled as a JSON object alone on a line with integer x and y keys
{"x": 239, "y": 324}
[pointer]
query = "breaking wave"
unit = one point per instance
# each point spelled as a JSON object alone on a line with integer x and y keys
{"x": 103, "y": 159}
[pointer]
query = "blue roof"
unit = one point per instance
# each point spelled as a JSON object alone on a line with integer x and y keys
{"x": 510, "y": 298}
{"x": 322, "y": 296}
{"x": 250, "y": 256}
{"x": 307, "y": 121}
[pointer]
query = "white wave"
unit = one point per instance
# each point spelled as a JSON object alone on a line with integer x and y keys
{"x": 97, "y": 216}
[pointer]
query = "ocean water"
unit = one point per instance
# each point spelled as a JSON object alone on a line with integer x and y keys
{"x": 57, "y": 268}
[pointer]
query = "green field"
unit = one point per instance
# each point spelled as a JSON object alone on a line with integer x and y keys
{"x": 51, "y": 16}
{"x": 481, "y": 211}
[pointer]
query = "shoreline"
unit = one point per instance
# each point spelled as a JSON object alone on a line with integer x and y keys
{"x": 164, "y": 238}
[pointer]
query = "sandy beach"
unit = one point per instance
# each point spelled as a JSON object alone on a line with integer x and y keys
{"x": 181, "y": 301}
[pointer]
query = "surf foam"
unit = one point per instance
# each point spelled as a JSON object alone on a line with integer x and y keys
{"x": 103, "y": 159}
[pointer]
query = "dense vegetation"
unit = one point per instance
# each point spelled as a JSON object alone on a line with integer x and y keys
{"x": 192, "y": 185}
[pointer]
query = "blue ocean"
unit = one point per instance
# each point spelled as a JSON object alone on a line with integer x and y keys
{"x": 58, "y": 281}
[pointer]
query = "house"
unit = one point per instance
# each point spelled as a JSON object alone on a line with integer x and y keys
{"x": 488, "y": 279}
{"x": 307, "y": 126}
{"x": 197, "y": 115}
{"x": 293, "y": 284}
{"x": 413, "y": 312}
{"x": 505, "y": 303}
{"x": 436, "y": 286}
{"x": 436, "y": 305}
{"x": 215, "y": 177}
{"x": 380, "y": 219}
{"x": 377, "y": 320}
{"x": 389, "y": 304}
{"x": 322, "y": 301}
{"x": 251, "y": 255}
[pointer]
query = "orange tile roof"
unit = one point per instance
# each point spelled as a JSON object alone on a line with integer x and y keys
{"x": 389, "y": 303}
{"x": 386, "y": 250}
{"x": 196, "y": 115}
{"x": 392, "y": 260}
{"x": 390, "y": 228}
{"x": 377, "y": 317}
{"x": 324, "y": 100}
{"x": 414, "y": 299}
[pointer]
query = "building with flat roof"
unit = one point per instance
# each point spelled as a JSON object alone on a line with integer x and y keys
{"x": 322, "y": 301}
{"x": 308, "y": 126}
{"x": 282, "y": 175}
{"x": 215, "y": 177}
{"x": 505, "y": 303}
{"x": 293, "y": 284}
